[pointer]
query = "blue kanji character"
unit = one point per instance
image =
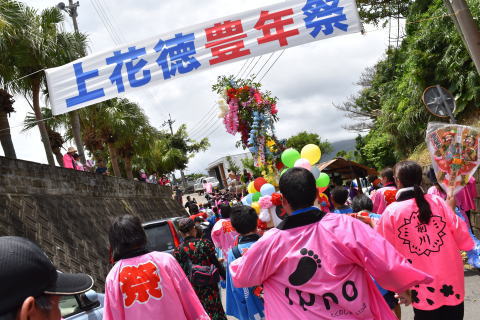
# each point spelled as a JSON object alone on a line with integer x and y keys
{"x": 177, "y": 54}
{"x": 83, "y": 94}
{"x": 324, "y": 15}
{"x": 132, "y": 69}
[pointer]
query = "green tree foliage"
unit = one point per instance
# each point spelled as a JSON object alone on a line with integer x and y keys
{"x": 376, "y": 11}
{"x": 389, "y": 103}
{"x": 303, "y": 138}
{"x": 250, "y": 166}
{"x": 194, "y": 176}
{"x": 232, "y": 166}
{"x": 172, "y": 152}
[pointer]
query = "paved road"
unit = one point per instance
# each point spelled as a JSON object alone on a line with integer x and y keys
{"x": 472, "y": 298}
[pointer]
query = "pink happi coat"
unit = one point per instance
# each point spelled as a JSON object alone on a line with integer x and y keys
{"x": 321, "y": 270}
{"x": 224, "y": 235}
{"x": 379, "y": 198}
{"x": 466, "y": 197}
{"x": 150, "y": 286}
{"x": 433, "y": 247}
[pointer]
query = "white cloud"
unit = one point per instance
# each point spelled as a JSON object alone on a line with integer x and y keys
{"x": 307, "y": 79}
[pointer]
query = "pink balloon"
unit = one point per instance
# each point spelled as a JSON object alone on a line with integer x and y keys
{"x": 303, "y": 163}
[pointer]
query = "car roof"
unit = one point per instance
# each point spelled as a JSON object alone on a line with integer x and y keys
{"x": 159, "y": 221}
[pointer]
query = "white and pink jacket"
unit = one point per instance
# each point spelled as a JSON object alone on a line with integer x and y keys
{"x": 318, "y": 267}
{"x": 433, "y": 247}
{"x": 150, "y": 286}
{"x": 224, "y": 235}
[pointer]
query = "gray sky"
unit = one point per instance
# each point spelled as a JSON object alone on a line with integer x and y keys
{"x": 307, "y": 79}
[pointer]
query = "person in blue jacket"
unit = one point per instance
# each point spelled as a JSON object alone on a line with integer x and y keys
{"x": 243, "y": 303}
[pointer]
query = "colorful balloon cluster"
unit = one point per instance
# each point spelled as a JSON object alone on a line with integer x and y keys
{"x": 307, "y": 159}
{"x": 262, "y": 198}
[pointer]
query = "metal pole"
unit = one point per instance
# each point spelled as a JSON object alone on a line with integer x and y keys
{"x": 468, "y": 29}
{"x": 74, "y": 118}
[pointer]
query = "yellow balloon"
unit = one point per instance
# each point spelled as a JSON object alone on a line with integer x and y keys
{"x": 251, "y": 188}
{"x": 312, "y": 153}
{"x": 256, "y": 207}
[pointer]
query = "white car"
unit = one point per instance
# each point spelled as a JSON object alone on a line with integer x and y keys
{"x": 198, "y": 187}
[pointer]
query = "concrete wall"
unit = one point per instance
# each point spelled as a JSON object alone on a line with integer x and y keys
{"x": 68, "y": 212}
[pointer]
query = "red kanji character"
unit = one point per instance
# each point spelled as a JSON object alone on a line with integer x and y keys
{"x": 278, "y": 24}
{"x": 139, "y": 283}
{"x": 227, "y": 44}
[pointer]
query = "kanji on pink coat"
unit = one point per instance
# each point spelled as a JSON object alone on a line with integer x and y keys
{"x": 379, "y": 198}
{"x": 224, "y": 235}
{"x": 321, "y": 270}
{"x": 433, "y": 247}
{"x": 150, "y": 286}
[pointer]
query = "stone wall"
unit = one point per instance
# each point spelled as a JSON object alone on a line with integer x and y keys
{"x": 68, "y": 212}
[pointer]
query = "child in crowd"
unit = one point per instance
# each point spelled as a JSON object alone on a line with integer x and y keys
{"x": 243, "y": 303}
{"x": 384, "y": 196}
{"x": 339, "y": 199}
{"x": 223, "y": 234}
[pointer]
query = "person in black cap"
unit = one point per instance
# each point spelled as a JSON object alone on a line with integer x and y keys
{"x": 30, "y": 285}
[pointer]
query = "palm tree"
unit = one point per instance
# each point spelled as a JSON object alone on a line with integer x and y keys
{"x": 53, "y": 125}
{"x": 36, "y": 46}
{"x": 10, "y": 18}
{"x": 119, "y": 126}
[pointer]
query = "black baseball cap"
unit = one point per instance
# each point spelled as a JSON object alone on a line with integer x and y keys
{"x": 26, "y": 271}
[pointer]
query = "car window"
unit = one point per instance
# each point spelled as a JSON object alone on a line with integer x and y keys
{"x": 159, "y": 238}
{"x": 212, "y": 180}
{"x": 68, "y": 305}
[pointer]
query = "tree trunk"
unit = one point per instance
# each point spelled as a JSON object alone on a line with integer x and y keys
{"x": 77, "y": 134}
{"x": 114, "y": 160}
{"x": 128, "y": 167}
{"x": 40, "y": 123}
{"x": 5, "y": 137}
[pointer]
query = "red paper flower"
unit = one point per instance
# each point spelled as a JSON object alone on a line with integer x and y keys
{"x": 276, "y": 199}
{"x": 258, "y": 97}
{"x": 273, "y": 109}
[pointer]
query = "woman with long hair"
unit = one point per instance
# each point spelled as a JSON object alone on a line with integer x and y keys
{"x": 429, "y": 234}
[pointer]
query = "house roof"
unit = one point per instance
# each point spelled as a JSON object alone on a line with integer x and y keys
{"x": 346, "y": 168}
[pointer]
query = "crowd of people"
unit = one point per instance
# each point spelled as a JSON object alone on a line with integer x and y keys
{"x": 71, "y": 160}
{"x": 345, "y": 255}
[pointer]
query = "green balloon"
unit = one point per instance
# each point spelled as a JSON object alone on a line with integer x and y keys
{"x": 289, "y": 157}
{"x": 323, "y": 180}
{"x": 256, "y": 196}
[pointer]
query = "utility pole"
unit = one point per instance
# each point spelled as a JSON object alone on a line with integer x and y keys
{"x": 467, "y": 27}
{"x": 71, "y": 10}
{"x": 169, "y": 122}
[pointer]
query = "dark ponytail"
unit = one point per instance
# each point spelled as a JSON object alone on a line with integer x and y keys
{"x": 409, "y": 173}
{"x": 425, "y": 213}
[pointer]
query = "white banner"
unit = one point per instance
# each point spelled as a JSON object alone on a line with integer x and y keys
{"x": 126, "y": 68}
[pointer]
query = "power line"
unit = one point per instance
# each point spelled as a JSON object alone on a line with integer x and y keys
{"x": 271, "y": 55}
{"x": 281, "y": 53}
